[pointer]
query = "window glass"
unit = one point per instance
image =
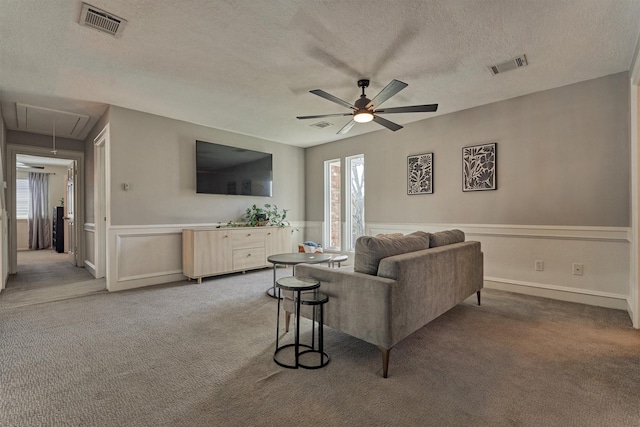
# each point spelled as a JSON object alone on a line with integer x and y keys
{"x": 22, "y": 198}
{"x": 355, "y": 200}
{"x": 332, "y": 182}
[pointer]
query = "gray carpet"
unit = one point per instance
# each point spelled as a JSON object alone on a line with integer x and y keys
{"x": 45, "y": 276}
{"x": 201, "y": 355}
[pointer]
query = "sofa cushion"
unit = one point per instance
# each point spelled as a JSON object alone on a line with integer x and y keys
{"x": 370, "y": 250}
{"x": 447, "y": 237}
{"x": 390, "y": 235}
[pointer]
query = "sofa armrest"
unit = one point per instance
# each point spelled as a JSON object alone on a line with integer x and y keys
{"x": 359, "y": 304}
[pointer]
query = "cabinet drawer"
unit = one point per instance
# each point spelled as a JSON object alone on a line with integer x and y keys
{"x": 246, "y": 239}
{"x": 248, "y": 258}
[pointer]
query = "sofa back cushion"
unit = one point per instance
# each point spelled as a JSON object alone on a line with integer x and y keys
{"x": 448, "y": 237}
{"x": 370, "y": 250}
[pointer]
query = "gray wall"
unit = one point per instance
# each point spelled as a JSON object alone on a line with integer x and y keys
{"x": 563, "y": 159}
{"x": 156, "y": 157}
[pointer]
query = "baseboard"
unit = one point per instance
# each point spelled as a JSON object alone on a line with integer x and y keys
{"x": 146, "y": 281}
{"x": 596, "y": 298}
{"x": 90, "y": 267}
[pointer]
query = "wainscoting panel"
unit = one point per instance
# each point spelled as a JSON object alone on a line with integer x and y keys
{"x": 510, "y": 254}
{"x": 151, "y": 255}
{"x": 89, "y": 248}
{"x": 142, "y": 256}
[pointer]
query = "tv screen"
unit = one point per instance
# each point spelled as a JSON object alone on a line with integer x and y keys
{"x": 221, "y": 169}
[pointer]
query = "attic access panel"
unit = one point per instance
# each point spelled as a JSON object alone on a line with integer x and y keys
{"x": 40, "y": 120}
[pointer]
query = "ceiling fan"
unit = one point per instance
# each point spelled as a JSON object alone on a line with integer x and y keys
{"x": 363, "y": 108}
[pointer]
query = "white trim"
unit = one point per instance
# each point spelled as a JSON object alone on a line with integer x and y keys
{"x": 610, "y": 234}
{"x": 151, "y": 275}
{"x": 101, "y": 206}
{"x": 90, "y": 267}
{"x": 634, "y": 74}
{"x": 634, "y": 283}
{"x": 151, "y": 280}
{"x": 118, "y": 279}
{"x": 90, "y": 227}
{"x": 161, "y": 228}
{"x": 563, "y": 293}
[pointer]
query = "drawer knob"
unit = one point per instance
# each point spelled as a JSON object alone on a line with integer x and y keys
{"x": 248, "y": 235}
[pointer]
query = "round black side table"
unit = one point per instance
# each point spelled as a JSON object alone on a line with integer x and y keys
{"x": 293, "y": 259}
{"x": 317, "y": 300}
{"x": 297, "y": 285}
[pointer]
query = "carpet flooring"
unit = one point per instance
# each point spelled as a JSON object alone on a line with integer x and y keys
{"x": 45, "y": 276}
{"x": 201, "y": 355}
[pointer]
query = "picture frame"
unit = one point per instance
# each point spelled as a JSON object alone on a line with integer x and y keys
{"x": 479, "y": 167}
{"x": 420, "y": 174}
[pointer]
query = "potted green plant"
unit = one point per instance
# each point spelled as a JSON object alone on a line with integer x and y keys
{"x": 267, "y": 215}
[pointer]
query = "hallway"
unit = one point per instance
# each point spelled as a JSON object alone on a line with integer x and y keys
{"x": 46, "y": 275}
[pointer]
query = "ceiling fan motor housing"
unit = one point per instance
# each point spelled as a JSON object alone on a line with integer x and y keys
{"x": 361, "y": 104}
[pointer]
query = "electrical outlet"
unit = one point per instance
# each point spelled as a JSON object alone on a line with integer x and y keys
{"x": 578, "y": 269}
{"x": 539, "y": 265}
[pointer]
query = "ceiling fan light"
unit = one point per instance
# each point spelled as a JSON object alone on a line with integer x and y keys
{"x": 363, "y": 116}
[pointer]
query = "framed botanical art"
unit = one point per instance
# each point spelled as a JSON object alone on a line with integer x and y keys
{"x": 479, "y": 170}
{"x": 420, "y": 174}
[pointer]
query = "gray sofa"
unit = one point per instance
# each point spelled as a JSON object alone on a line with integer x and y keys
{"x": 397, "y": 285}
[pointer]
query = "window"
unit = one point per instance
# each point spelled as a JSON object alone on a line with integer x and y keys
{"x": 22, "y": 198}
{"x": 353, "y": 202}
{"x": 332, "y": 180}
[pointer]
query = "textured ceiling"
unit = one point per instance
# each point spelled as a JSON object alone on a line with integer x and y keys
{"x": 246, "y": 66}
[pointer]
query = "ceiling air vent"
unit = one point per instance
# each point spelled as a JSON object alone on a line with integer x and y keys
{"x": 517, "y": 62}
{"x": 322, "y": 125}
{"x": 102, "y": 21}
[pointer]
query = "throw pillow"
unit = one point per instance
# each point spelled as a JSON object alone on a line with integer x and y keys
{"x": 447, "y": 237}
{"x": 370, "y": 250}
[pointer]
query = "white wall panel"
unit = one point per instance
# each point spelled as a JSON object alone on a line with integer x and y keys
{"x": 510, "y": 253}
{"x": 90, "y": 238}
{"x": 143, "y": 256}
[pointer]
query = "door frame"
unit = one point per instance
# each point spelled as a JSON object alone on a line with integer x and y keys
{"x": 101, "y": 200}
{"x": 12, "y": 151}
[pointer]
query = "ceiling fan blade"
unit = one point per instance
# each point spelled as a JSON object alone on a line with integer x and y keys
{"x": 332, "y": 98}
{"x": 386, "y": 123}
{"x": 324, "y": 115}
{"x": 347, "y": 127}
{"x": 391, "y": 89}
{"x": 429, "y": 108}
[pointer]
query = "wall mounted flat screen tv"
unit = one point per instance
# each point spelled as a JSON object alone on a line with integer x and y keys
{"x": 221, "y": 169}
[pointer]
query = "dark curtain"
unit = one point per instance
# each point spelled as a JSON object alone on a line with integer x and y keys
{"x": 39, "y": 222}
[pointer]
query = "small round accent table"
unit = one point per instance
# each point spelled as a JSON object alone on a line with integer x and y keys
{"x": 299, "y": 285}
{"x": 317, "y": 300}
{"x": 293, "y": 259}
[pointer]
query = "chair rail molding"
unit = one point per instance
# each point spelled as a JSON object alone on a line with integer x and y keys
{"x": 511, "y": 251}
{"x": 144, "y": 255}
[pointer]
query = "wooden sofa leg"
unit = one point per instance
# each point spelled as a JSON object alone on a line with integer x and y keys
{"x": 287, "y": 320}
{"x": 478, "y": 293}
{"x": 385, "y": 360}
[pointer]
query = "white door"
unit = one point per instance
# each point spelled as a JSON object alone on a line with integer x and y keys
{"x": 70, "y": 216}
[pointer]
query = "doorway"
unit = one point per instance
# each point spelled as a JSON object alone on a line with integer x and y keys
{"x": 48, "y": 272}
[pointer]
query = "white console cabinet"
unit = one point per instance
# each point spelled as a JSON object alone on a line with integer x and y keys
{"x": 213, "y": 251}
